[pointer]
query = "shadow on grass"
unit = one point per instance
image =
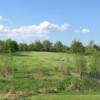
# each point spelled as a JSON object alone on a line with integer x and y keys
{"x": 20, "y": 54}
{"x": 14, "y": 54}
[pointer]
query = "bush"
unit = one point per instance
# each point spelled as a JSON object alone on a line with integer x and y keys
{"x": 65, "y": 83}
{"x": 80, "y": 63}
{"x": 94, "y": 63}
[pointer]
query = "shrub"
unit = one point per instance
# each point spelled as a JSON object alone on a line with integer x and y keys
{"x": 80, "y": 63}
{"x": 94, "y": 63}
{"x": 65, "y": 83}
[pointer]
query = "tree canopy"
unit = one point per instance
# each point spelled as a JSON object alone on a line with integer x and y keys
{"x": 75, "y": 47}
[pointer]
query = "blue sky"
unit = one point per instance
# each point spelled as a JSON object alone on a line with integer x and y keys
{"x": 64, "y": 20}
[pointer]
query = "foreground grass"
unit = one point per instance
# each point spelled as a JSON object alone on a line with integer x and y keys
{"x": 36, "y": 75}
{"x": 65, "y": 97}
{"x": 54, "y": 97}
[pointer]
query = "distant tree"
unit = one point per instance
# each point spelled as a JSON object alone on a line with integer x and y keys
{"x": 31, "y": 47}
{"x": 2, "y": 44}
{"x": 38, "y": 46}
{"x": 47, "y": 45}
{"x": 23, "y": 47}
{"x": 58, "y": 46}
{"x": 11, "y": 45}
{"x": 77, "y": 47}
{"x": 52, "y": 49}
{"x": 91, "y": 48}
{"x": 66, "y": 49}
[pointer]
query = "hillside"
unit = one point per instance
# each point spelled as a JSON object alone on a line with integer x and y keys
{"x": 24, "y": 74}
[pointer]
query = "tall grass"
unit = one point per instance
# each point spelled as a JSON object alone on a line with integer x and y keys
{"x": 6, "y": 65}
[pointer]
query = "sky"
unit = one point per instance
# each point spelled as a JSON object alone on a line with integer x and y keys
{"x": 55, "y": 20}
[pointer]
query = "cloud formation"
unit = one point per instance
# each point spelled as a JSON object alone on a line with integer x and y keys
{"x": 85, "y": 30}
{"x": 42, "y": 28}
{"x": 35, "y": 31}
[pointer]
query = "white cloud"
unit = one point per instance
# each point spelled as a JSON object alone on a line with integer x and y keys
{"x": 35, "y": 31}
{"x": 3, "y": 29}
{"x": 85, "y": 30}
{"x": 42, "y": 28}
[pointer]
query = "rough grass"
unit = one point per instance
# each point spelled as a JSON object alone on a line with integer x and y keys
{"x": 31, "y": 60}
{"x": 39, "y": 71}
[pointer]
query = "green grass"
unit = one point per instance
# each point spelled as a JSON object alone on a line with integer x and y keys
{"x": 31, "y": 60}
{"x": 40, "y": 70}
{"x": 65, "y": 97}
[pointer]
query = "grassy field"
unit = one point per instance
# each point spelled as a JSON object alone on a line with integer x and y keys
{"x": 36, "y": 75}
{"x": 31, "y": 60}
{"x": 65, "y": 97}
{"x": 56, "y": 97}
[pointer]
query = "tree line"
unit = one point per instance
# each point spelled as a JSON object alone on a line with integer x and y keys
{"x": 75, "y": 47}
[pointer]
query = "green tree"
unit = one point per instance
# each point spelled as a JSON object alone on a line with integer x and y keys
{"x": 47, "y": 45}
{"x": 38, "y": 45}
{"x": 58, "y": 46}
{"x": 91, "y": 48}
{"x": 23, "y": 47}
{"x": 66, "y": 49}
{"x": 2, "y": 43}
{"x": 31, "y": 47}
{"x": 77, "y": 47}
{"x": 11, "y": 45}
